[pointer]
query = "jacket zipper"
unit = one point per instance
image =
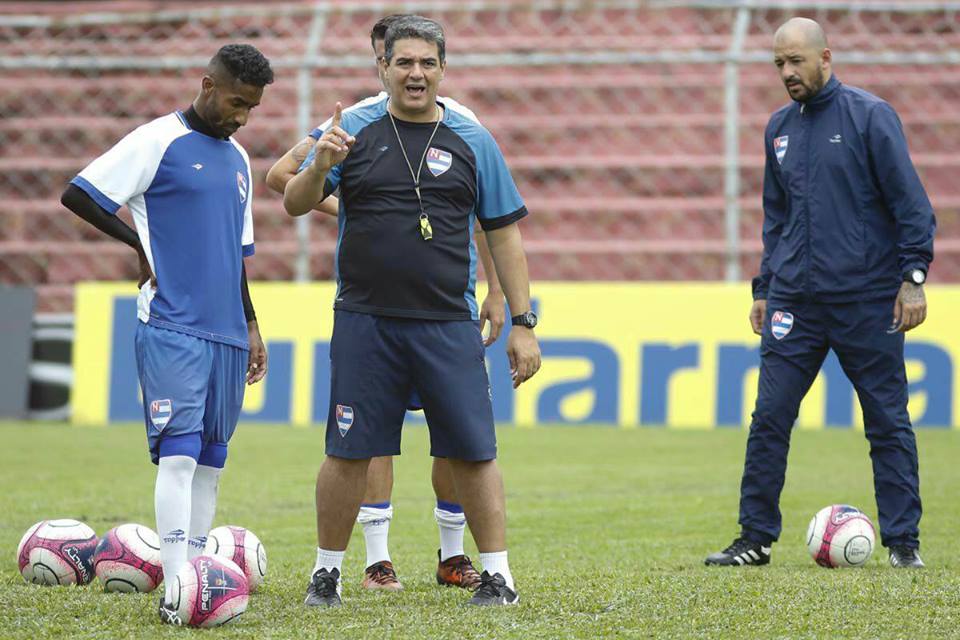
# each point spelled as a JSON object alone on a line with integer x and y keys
{"x": 804, "y": 123}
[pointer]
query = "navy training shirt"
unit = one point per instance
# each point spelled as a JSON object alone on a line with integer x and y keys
{"x": 384, "y": 266}
{"x": 846, "y": 216}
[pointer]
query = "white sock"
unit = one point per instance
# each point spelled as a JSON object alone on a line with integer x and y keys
{"x": 329, "y": 560}
{"x": 376, "y": 529}
{"x": 451, "y": 523}
{"x": 172, "y": 500}
{"x": 203, "y": 506}
{"x": 497, "y": 563}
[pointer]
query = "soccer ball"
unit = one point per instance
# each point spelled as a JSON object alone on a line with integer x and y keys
{"x": 244, "y": 548}
{"x": 840, "y": 536}
{"x": 57, "y": 552}
{"x": 128, "y": 559}
{"x": 209, "y": 591}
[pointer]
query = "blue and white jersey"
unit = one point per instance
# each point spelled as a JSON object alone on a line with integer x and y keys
{"x": 191, "y": 199}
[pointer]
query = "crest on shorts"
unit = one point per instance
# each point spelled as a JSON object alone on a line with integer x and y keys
{"x": 438, "y": 161}
{"x": 781, "y": 322}
{"x": 160, "y": 412}
{"x": 344, "y": 419}
{"x": 780, "y": 147}
{"x": 242, "y": 186}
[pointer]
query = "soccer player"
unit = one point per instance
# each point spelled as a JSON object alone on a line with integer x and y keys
{"x": 847, "y": 240}
{"x": 187, "y": 183}
{"x": 412, "y": 175}
{"x": 454, "y": 567}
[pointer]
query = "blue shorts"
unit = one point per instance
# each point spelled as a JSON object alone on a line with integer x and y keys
{"x": 377, "y": 365}
{"x": 190, "y": 385}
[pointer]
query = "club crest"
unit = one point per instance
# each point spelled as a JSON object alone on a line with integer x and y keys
{"x": 781, "y": 322}
{"x": 780, "y": 147}
{"x": 242, "y": 186}
{"x": 438, "y": 161}
{"x": 344, "y": 419}
{"x": 160, "y": 412}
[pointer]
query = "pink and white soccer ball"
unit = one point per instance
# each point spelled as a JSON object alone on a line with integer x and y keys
{"x": 840, "y": 536}
{"x": 128, "y": 559}
{"x": 244, "y": 548}
{"x": 57, "y": 552}
{"x": 209, "y": 591}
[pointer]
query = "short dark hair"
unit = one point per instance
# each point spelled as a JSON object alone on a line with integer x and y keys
{"x": 379, "y": 31}
{"x": 419, "y": 28}
{"x": 245, "y": 63}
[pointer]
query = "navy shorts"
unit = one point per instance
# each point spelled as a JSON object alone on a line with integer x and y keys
{"x": 190, "y": 385}
{"x": 377, "y": 365}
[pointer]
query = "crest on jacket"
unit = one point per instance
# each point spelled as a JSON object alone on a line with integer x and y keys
{"x": 780, "y": 147}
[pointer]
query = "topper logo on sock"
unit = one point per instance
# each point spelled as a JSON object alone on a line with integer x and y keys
{"x": 198, "y": 542}
{"x": 176, "y": 535}
{"x": 160, "y": 412}
{"x": 344, "y": 419}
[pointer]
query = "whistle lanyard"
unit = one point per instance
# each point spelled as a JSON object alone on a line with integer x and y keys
{"x": 426, "y": 230}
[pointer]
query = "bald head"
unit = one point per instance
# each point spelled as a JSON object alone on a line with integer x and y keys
{"x": 802, "y": 32}
{"x": 801, "y": 54}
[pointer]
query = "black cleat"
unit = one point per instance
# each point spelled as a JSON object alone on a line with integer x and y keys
{"x": 168, "y": 615}
{"x": 903, "y": 557}
{"x": 740, "y": 552}
{"x": 324, "y": 589}
{"x": 493, "y": 591}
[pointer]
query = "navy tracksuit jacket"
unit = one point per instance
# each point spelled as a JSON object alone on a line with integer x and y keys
{"x": 845, "y": 219}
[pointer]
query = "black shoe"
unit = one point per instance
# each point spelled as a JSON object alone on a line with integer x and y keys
{"x": 903, "y": 557}
{"x": 168, "y": 615}
{"x": 740, "y": 552}
{"x": 324, "y": 589}
{"x": 493, "y": 591}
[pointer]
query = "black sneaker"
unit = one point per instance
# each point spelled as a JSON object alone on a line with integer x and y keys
{"x": 740, "y": 552}
{"x": 493, "y": 591}
{"x": 903, "y": 557}
{"x": 324, "y": 589}
{"x": 168, "y": 615}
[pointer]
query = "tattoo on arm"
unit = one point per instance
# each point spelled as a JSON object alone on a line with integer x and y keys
{"x": 299, "y": 152}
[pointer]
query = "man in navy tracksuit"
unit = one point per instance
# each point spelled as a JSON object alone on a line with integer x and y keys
{"x": 847, "y": 240}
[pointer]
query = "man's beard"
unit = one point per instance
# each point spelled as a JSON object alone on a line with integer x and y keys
{"x": 810, "y": 90}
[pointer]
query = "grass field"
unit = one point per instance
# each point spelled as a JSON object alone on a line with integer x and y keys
{"x": 607, "y": 533}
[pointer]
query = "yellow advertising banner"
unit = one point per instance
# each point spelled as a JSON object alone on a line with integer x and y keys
{"x": 614, "y": 354}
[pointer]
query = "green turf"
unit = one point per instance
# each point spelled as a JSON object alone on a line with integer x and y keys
{"x": 607, "y": 532}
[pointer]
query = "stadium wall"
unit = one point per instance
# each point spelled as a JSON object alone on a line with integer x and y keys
{"x": 615, "y": 354}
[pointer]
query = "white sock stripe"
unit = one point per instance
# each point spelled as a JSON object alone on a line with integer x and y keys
{"x": 373, "y": 514}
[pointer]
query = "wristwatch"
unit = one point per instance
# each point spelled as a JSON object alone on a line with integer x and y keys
{"x": 915, "y": 276}
{"x": 528, "y": 320}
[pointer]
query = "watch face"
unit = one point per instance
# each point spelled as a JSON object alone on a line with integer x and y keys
{"x": 918, "y": 276}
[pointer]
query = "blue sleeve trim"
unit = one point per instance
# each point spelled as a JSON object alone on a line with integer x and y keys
{"x": 315, "y": 134}
{"x": 491, "y": 224}
{"x": 248, "y": 250}
{"x": 106, "y": 203}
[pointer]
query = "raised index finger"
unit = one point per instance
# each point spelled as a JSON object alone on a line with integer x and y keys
{"x": 337, "y": 113}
